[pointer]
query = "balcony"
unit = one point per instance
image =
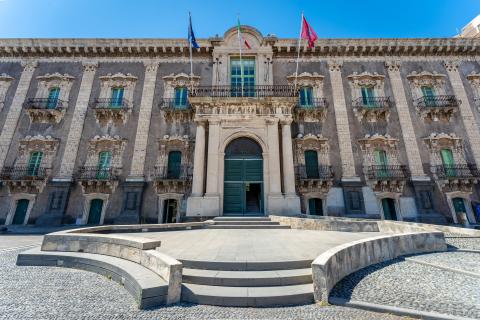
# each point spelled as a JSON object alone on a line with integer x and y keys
{"x": 315, "y": 110}
{"x": 435, "y": 108}
{"x": 247, "y": 91}
{"x": 457, "y": 177}
{"x": 387, "y": 178}
{"x": 314, "y": 179}
{"x": 372, "y": 109}
{"x": 21, "y": 179}
{"x": 98, "y": 180}
{"x": 175, "y": 179}
{"x": 176, "y": 110}
{"x": 45, "y": 110}
{"x": 112, "y": 110}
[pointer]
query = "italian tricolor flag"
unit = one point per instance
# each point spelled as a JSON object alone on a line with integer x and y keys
{"x": 241, "y": 39}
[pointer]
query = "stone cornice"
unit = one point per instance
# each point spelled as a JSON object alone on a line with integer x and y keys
{"x": 280, "y": 47}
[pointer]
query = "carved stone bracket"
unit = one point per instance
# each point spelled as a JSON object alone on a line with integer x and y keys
{"x": 116, "y": 116}
{"x": 45, "y": 115}
{"x": 98, "y": 186}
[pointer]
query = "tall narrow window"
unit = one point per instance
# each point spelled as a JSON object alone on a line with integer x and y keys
{"x": 242, "y": 75}
{"x": 448, "y": 162}
{"x": 428, "y": 96}
{"x": 34, "y": 163}
{"x": 53, "y": 95}
{"x": 311, "y": 164}
{"x": 174, "y": 165}
{"x": 103, "y": 167}
{"x": 381, "y": 162}
{"x": 181, "y": 98}
{"x": 117, "y": 97}
{"x": 306, "y": 96}
{"x": 368, "y": 96}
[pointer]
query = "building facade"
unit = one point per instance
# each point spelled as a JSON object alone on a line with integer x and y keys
{"x": 120, "y": 131}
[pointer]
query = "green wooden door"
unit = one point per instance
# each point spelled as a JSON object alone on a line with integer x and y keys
{"x": 20, "y": 211}
{"x": 95, "y": 212}
{"x": 388, "y": 206}
{"x": 34, "y": 163}
{"x": 311, "y": 164}
{"x": 174, "y": 164}
{"x": 53, "y": 95}
{"x": 315, "y": 207}
{"x": 104, "y": 160}
{"x": 381, "y": 161}
{"x": 459, "y": 205}
{"x": 448, "y": 162}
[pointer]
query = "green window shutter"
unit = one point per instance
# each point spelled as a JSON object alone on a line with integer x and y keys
{"x": 181, "y": 98}
{"x": 306, "y": 96}
{"x": 34, "y": 163}
{"x": 381, "y": 161}
{"x": 311, "y": 164}
{"x": 428, "y": 96}
{"x": 174, "y": 164}
{"x": 448, "y": 162}
{"x": 53, "y": 95}
{"x": 104, "y": 161}
{"x": 117, "y": 97}
{"x": 367, "y": 96}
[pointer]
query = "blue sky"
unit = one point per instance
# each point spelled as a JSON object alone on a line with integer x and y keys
{"x": 168, "y": 19}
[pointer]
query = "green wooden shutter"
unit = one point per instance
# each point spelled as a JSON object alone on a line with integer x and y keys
{"x": 117, "y": 97}
{"x": 428, "y": 96}
{"x": 20, "y": 211}
{"x": 448, "y": 162}
{"x": 311, "y": 164}
{"x": 95, "y": 212}
{"x": 381, "y": 161}
{"x": 34, "y": 163}
{"x": 367, "y": 96}
{"x": 306, "y": 96}
{"x": 174, "y": 164}
{"x": 104, "y": 161}
{"x": 53, "y": 95}
{"x": 181, "y": 97}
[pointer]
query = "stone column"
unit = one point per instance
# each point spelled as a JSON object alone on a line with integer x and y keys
{"x": 466, "y": 113}
{"x": 274, "y": 157}
{"x": 411, "y": 147}
{"x": 143, "y": 126}
{"x": 15, "y": 110}
{"x": 199, "y": 161}
{"x": 75, "y": 133}
{"x": 341, "y": 119}
{"x": 288, "y": 169}
{"x": 212, "y": 158}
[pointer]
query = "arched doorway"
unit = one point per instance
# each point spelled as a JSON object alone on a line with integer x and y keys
{"x": 243, "y": 182}
{"x": 389, "y": 210}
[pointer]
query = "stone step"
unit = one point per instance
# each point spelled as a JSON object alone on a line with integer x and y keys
{"x": 246, "y": 266}
{"x": 248, "y": 296}
{"x": 244, "y": 223}
{"x": 242, "y": 218}
{"x": 247, "y": 278}
{"x": 249, "y": 226}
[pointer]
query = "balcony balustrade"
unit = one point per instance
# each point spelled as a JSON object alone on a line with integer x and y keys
{"x": 246, "y": 91}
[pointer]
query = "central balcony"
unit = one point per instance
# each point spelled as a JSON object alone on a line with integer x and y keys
{"x": 314, "y": 179}
{"x": 176, "y": 179}
{"x": 434, "y": 108}
{"x": 98, "y": 180}
{"x": 387, "y": 178}
{"x": 246, "y": 91}
{"x": 45, "y": 110}
{"x": 114, "y": 110}
{"x": 21, "y": 179}
{"x": 176, "y": 110}
{"x": 314, "y": 110}
{"x": 372, "y": 109}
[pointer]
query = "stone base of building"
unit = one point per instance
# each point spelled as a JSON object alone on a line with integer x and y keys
{"x": 283, "y": 205}
{"x": 209, "y": 205}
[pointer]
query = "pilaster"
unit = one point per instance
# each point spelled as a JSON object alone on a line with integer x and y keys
{"x": 274, "y": 157}
{"x": 287, "y": 152}
{"x": 199, "y": 161}
{"x": 212, "y": 161}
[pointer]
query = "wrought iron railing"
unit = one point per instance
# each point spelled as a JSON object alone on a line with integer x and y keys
{"x": 437, "y": 101}
{"x": 321, "y": 172}
{"x": 175, "y": 104}
{"x": 44, "y": 103}
{"x": 97, "y": 173}
{"x": 248, "y": 91}
{"x": 387, "y": 172}
{"x": 455, "y": 171}
{"x": 111, "y": 103}
{"x": 177, "y": 172}
{"x": 23, "y": 173}
{"x": 372, "y": 102}
{"x": 316, "y": 103}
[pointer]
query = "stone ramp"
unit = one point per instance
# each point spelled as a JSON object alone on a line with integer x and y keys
{"x": 148, "y": 288}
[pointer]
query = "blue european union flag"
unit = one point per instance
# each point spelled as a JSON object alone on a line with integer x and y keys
{"x": 191, "y": 35}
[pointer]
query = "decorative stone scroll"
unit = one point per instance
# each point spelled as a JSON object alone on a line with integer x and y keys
{"x": 5, "y": 82}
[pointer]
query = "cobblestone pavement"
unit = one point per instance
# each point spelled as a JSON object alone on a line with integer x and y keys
{"x": 56, "y": 293}
{"x": 405, "y": 284}
{"x": 461, "y": 241}
{"x": 465, "y": 261}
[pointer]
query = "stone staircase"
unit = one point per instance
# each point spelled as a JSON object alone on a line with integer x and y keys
{"x": 241, "y": 284}
{"x": 246, "y": 223}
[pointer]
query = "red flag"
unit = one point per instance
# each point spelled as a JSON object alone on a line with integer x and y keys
{"x": 308, "y": 33}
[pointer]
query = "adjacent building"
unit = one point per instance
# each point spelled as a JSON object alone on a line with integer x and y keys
{"x": 97, "y": 131}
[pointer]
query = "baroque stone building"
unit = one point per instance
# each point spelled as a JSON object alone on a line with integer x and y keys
{"x": 119, "y": 131}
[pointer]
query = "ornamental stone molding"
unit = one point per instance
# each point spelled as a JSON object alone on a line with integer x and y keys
{"x": 116, "y": 145}
{"x": 317, "y": 112}
{"x": 174, "y": 143}
{"x": 118, "y": 80}
{"x": 452, "y": 66}
{"x": 45, "y": 144}
{"x": 173, "y": 81}
{"x": 474, "y": 79}
{"x": 417, "y": 80}
{"x": 435, "y": 142}
{"x": 307, "y": 79}
{"x": 370, "y": 143}
{"x": 5, "y": 82}
{"x": 90, "y": 66}
{"x": 29, "y": 66}
{"x": 393, "y": 65}
{"x": 335, "y": 66}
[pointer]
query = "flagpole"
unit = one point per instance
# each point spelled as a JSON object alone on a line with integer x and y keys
{"x": 190, "y": 46}
{"x": 240, "y": 47}
{"x": 298, "y": 52}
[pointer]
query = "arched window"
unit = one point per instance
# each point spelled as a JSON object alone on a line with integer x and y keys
{"x": 174, "y": 165}
{"x": 368, "y": 95}
{"x": 311, "y": 164}
{"x": 448, "y": 162}
{"x": 306, "y": 96}
{"x": 181, "y": 98}
{"x": 53, "y": 95}
{"x": 34, "y": 163}
{"x": 103, "y": 166}
{"x": 117, "y": 97}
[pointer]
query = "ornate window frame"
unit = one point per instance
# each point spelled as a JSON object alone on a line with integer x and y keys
{"x": 438, "y": 141}
{"x": 171, "y": 82}
{"x": 316, "y": 81}
{"x": 5, "y": 82}
{"x": 116, "y": 145}
{"x": 474, "y": 79}
{"x": 417, "y": 80}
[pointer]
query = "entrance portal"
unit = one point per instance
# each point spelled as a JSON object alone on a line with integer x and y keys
{"x": 243, "y": 183}
{"x": 389, "y": 211}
